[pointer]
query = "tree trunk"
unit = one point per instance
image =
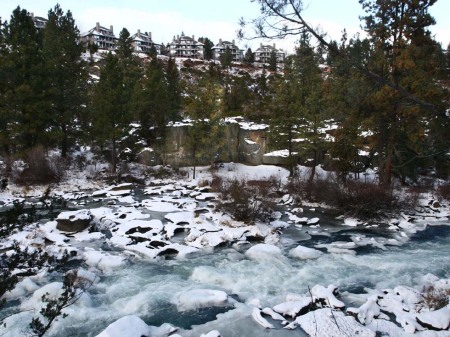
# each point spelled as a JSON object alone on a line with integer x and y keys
{"x": 113, "y": 157}
{"x": 64, "y": 142}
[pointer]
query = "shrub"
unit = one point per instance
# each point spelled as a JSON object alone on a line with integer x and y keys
{"x": 435, "y": 298}
{"x": 242, "y": 201}
{"x": 444, "y": 191}
{"x": 37, "y": 168}
{"x": 356, "y": 198}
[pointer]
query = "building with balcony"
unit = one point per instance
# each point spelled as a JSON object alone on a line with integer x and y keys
{"x": 221, "y": 47}
{"x": 185, "y": 46}
{"x": 39, "y": 21}
{"x": 262, "y": 54}
{"x": 103, "y": 37}
{"x": 143, "y": 43}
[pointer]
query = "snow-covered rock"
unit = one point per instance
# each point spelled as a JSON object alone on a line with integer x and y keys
{"x": 201, "y": 298}
{"x": 293, "y": 308}
{"x": 262, "y": 251}
{"x": 327, "y": 322}
{"x": 438, "y": 319}
{"x": 74, "y": 221}
{"x": 326, "y": 296}
{"x": 305, "y": 253}
{"x": 128, "y": 326}
{"x": 257, "y": 317}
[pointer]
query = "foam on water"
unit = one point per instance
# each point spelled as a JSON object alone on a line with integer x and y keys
{"x": 151, "y": 289}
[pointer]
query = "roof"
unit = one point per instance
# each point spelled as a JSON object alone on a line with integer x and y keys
{"x": 94, "y": 31}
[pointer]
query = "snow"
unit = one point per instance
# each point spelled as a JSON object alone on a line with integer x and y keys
{"x": 75, "y": 215}
{"x": 128, "y": 326}
{"x": 201, "y": 298}
{"x": 235, "y": 271}
{"x": 352, "y": 222}
{"x": 326, "y": 295}
{"x": 262, "y": 251}
{"x": 102, "y": 261}
{"x": 257, "y": 317}
{"x": 326, "y": 322}
{"x": 305, "y": 253}
{"x": 438, "y": 319}
{"x": 293, "y": 308}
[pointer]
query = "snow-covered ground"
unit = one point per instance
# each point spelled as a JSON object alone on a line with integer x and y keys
{"x": 163, "y": 254}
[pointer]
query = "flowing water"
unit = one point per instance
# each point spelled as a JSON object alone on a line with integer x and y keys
{"x": 149, "y": 289}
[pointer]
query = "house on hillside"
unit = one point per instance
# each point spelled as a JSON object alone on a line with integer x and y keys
{"x": 39, "y": 21}
{"x": 143, "y": 43}
{"x": 185, "y": 46}
{"x": 219, "y": 49}
{"x": 262, "y": 54}
{"x": 103, "y": 37}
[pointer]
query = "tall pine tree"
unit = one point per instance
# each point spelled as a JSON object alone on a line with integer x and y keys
{"x": 66, "y": 80}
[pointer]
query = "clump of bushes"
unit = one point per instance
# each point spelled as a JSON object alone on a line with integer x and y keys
{"x": 356, "y": 198}
{"x": 444, "y": 191}
{"x": 38, "y": 168}
{"x": 435, "y": 298}
{"x": 245, "y": 201}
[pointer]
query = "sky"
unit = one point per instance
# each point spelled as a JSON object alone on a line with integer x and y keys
{"x": 214, "y": 19}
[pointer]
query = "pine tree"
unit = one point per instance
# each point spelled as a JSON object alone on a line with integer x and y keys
{"x": 298, "y": 108}
{"x": 202, "y": 104}
{"x": 273, "y": 61}
{"x": 109, "y": 118}
{"x": 66, "y": 80}
{"x": 226, "y": 58}
{"x": 405, "y": 56}
{"x": 249, "y": 57}
{"x": 173, "y": 90}
{"x": 346, "y": 99}
{"x": 151, "y": 102}
{"x": 129, "y": 68}
{"x": 208, "y": 45}
{"x": 22, "y": 121}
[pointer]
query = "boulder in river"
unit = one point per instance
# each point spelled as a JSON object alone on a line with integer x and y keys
{"x": 74, "y": 221}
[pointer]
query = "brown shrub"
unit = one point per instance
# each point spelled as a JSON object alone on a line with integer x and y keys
{"x": 244, "y": 202}
{"x": 40, "y": 169}
{"x": 356, "y": 198}
{"x": 435, "y": 298}
{"x": 444, "y": 191}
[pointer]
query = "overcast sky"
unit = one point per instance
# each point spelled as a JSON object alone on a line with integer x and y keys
{"x": 214, "y": 19}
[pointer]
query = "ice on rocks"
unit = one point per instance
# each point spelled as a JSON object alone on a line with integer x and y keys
{"x": 257, "y": 317}
{"x": 326, "y": 296}
{"x": 201, "y": 298}
{"x": 102, "y": 261}
{"x": 262, "y": 251}
{"x": 352, "y": 222}
{"x": 293, "y": 308}
{"x": 327, "y": 322}
{"x": 305, "y": 253}
{"x": 213, "y": 333}
{"x": 180, "y": 218}
{"x": 276, "y": 316}
{"x": 313, "y": 221}
{"x": 368, "y": 311}
{"x": 128, "y": 326}
{"x": 438, "y": 319}
{"x": 21, "y": 289}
